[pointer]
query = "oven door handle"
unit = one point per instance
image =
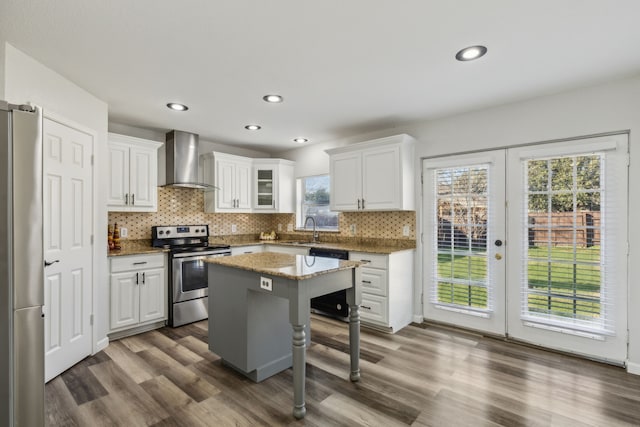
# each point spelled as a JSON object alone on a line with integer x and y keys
{"x": 200, "y": 255}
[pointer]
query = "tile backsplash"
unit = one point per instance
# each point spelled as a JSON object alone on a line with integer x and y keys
{"x": 185, "y": 206}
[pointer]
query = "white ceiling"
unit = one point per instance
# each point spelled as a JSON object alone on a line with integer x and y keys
{"x": 344, "y": 67}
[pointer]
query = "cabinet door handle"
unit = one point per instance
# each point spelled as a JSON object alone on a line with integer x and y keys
{"x": 47, "y": 263}
{"x": 137, "y": 278}
{"x": 143, "y": 278}
{"x": 366, "y": 260}
{"x": 362, "y": 203}
{"x": 365, "y": 307}
{"x": 366, "y": 281}
{"x": 358, "y": 203}
{"x": 126, "y": 199}
{"x": 133, "y": 199}
{"x": 140, "y": 263}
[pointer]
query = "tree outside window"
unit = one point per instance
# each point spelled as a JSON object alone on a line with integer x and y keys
{"x": 313, "y": 201}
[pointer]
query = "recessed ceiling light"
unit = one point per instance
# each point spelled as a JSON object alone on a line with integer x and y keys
{"x": 272, "y": 98}
{"x": 300, "y": 140}
{"x": 470, "y": 53}
{"x": 177, "y": 107}
{"x": 253, "y": 127}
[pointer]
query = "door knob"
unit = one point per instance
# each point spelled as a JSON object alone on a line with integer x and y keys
{"x": 498, "y": 243}
{"x": 47, "y": 263}
{"x": 498, "y": 257}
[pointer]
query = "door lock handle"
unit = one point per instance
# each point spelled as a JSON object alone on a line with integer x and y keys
{"x": 47, "y": 263}
{"x": 498, "y": 257}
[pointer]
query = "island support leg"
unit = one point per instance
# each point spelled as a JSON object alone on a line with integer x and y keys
{"x": 354, "y": 298}
{"x": 299, "y": 371}
{"x": 354, "y": 342}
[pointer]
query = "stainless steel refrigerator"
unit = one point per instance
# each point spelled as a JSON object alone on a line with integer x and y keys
{"x": 21, "y": 267}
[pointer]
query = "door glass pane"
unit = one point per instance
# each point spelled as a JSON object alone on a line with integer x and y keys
{"x": 461, "y": 273}
{"x": 563, "y": 263}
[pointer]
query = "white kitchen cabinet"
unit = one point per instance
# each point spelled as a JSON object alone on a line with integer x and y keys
{"x": 250, "y": 249}
{"x": 232, "y": 175}
{"x": 375, "y": 175}
{"x": 273, "y": 186}
{"x": 387, "y": 289}
{"x": 133, "y": 174}
{"x": 138, "y": 291}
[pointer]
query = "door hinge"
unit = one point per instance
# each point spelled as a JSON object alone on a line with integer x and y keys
{"x": 91, "y": 319}
{"x": 92, "y": 159}
{"x": 421, "y": 177}
{"x": 422, "y": 298}
{"x": 422, "y": 238}
{"x": 92, "y": 239}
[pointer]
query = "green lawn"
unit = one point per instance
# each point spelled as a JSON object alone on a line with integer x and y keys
{"x": 561, "y": 286}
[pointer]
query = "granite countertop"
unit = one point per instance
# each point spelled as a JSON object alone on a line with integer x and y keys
{"x": 295, "y": 267}
{"x": 135, "y": 247}
{"x": 374, "y": 248}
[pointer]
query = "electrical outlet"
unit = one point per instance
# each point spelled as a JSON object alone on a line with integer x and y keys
{"x": 124, "y": 232}
{"x": 234, "y": 228}
{"x": 289, "y": 227}
{"x": 406, "y": 231}
{"x": 352, "y": 228}
{"x": 279, "y": 227}
{"x": 266, "y": 283}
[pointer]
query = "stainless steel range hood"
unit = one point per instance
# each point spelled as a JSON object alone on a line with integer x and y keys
{"x": 182, "y": 161}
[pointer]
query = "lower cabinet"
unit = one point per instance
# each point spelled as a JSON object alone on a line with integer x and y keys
{"x": 387, "y": 289}
{"x": 138, "y": 291}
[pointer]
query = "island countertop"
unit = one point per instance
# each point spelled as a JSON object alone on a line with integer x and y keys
{"x": 296, "y": 267}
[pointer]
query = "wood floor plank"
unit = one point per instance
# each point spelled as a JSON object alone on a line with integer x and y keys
{"x": 424, "y": 375}
{"x": 130, "y": 362}
{"x": 82, "y": 384}
{"x": 182, "y": 377}
{"x": 120, "y": 385}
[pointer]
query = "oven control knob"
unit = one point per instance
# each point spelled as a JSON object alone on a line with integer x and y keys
{"x": 161, "y": 232}
{"x": 168, "y": 231}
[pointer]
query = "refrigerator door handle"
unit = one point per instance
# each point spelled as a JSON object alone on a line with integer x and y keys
{"x": 47, "y": 263}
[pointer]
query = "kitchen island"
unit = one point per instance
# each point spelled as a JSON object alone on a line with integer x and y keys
{"x": 253, "y": 299}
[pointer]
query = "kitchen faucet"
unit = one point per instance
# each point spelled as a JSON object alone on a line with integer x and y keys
{"x": 315, "y": 233}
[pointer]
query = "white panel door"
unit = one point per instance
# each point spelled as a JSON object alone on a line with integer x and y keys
{"x": 243, "y": 185}
{"x": 381, "y": 191}
{"x": 346, "y": 181}
{"x": 125, "y": 297}
{"x": 464, "y": 247}
{"x": 152, "y": 295}
{"x": 225, "y": 174}
{"x": 118, "y": 175}
{"x": 142, "y": 168}
{"x": 68, "y": 184}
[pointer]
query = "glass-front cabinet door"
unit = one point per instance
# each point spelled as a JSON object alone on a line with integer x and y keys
{"x": 265, "y": 188}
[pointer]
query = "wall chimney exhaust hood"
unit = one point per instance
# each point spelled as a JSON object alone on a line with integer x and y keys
{"x": 182, "y": 161}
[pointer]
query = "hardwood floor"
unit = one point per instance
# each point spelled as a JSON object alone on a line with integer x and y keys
{"x": 422, "y": 376}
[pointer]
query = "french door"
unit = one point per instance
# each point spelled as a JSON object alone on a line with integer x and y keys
{"x": 555, "y": 271}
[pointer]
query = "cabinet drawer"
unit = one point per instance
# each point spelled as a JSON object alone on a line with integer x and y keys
{"x": 374, "y": 308}
{"x": 239, "y": 250}
{"x": 375, "y": 260}
{"x": 136, "y": 262}
{"x": 374, "y": 281}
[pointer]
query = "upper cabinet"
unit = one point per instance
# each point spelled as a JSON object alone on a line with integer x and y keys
{"x": 232, "y": 177}
{"x": 376, "y": 175}
{"x": 133, "y": 174}
{"x": 247, "y": 185}
{"x": 273, "y": 186}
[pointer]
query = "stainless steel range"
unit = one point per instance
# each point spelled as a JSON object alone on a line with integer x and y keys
{"x": 188, "y": 280}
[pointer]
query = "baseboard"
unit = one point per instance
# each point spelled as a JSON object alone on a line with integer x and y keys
{"x": 633, "y": 368}
{"x": 418, "y": 318}
{"x": 102, "y": 344}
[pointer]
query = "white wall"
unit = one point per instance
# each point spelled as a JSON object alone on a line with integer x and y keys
{"x": 204, "y": 146}
{"x": 609, "y": 107}
{"x": 2, "y": 67}
{"x": 26, "y": 80}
